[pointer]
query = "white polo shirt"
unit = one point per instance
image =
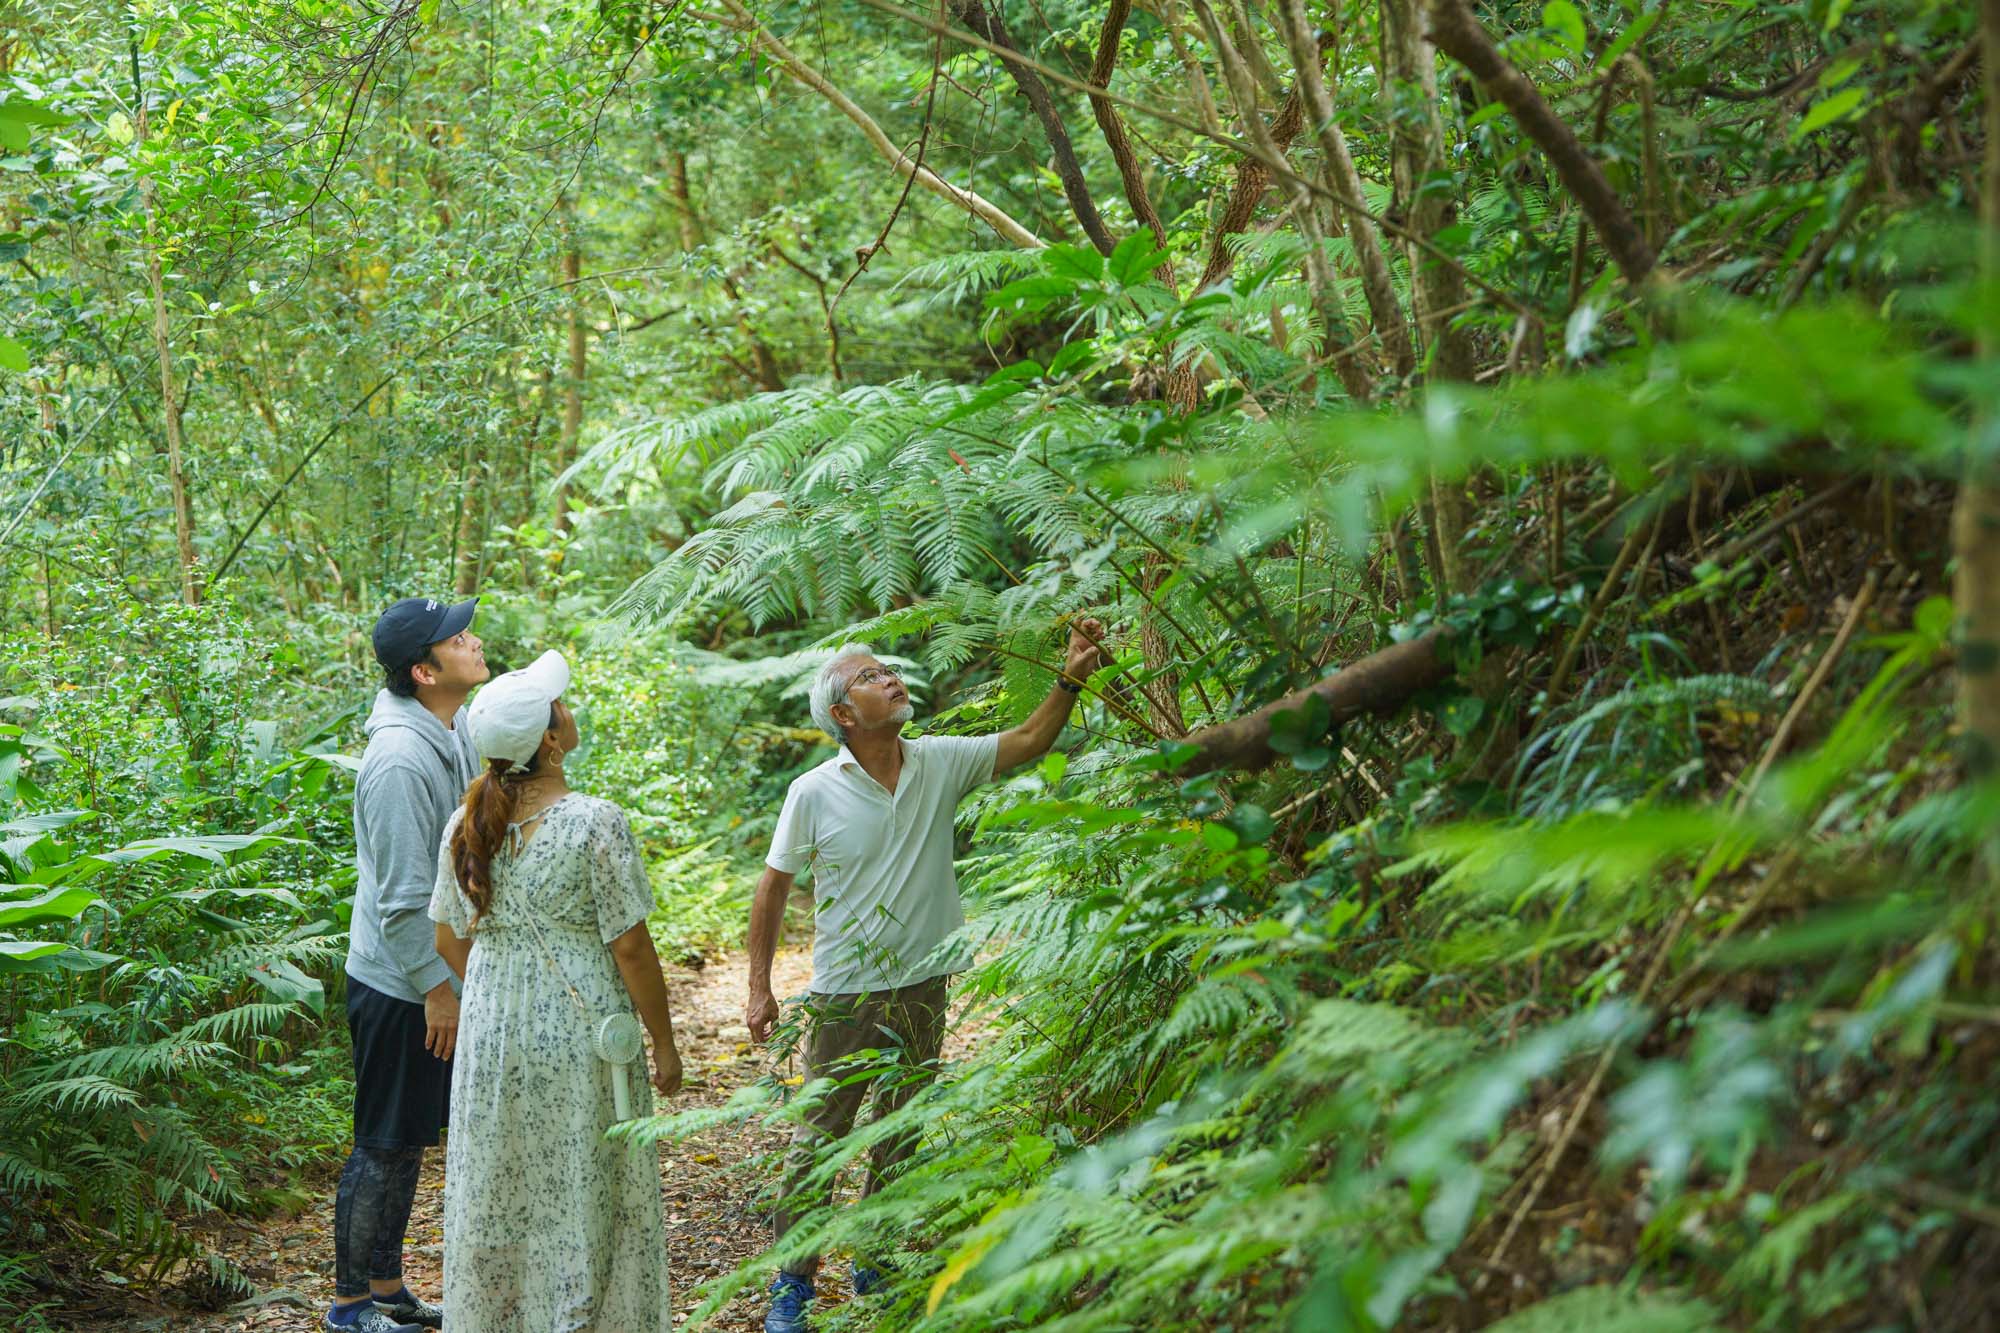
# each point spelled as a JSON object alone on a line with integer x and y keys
{"x": 883, "y": 884}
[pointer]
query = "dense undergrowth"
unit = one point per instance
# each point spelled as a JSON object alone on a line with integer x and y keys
{"x": 1625, "y": 992}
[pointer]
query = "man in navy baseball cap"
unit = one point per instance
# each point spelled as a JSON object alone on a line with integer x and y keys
{"x": 402, "y": 999}
{"x": 405, "y": 632}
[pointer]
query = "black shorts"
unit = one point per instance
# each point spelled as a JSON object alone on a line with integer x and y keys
{"x": 402, "y": 1093}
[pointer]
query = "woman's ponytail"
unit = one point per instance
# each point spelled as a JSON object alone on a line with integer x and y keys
{"x": 490, "y": 803}
{"x": 489, "y": 809}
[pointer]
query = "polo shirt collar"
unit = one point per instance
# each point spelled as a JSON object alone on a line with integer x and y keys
{"x": 848, "y": 761}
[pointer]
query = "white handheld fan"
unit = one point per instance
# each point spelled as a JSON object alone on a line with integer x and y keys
{"x": 617, "y": 1043}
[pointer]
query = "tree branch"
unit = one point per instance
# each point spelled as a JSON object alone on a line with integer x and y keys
{"x": 988, "y": 24}
{"x": 1379, "y": 683}
{"x": 1500, "y": 295}
{"x": 984, "y": 209}
{"x": 1242, "y": 81}
{"x": 1459, "y": 35}
{"x": 1385, "y": 680}
{"x": 1115, "y": 138}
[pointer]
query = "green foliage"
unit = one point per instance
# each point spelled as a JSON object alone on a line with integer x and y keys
{"x": 1612, "y": 1311}
{"x": 1289, "y": 1048}
{"x": 164, "y": 975}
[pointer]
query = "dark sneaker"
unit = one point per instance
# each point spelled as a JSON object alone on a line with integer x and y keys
{"x": 790, "y": 1295}
{"x": 370, "y": 1320}
{"x": 867, "y": 1279}
{"x": 407, "y": 1307}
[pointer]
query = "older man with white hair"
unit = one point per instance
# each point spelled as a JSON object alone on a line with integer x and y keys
{"x": 875, "y": 824}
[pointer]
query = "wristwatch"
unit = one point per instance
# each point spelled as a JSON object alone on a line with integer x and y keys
{"x": 1063, "y": 682}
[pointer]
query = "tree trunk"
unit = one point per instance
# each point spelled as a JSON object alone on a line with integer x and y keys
{"x": 1975, "y": 522}
{"x": 763, "y": 362}
{"x": 170, "y": 402}
{"x": 1459, "y": 35}
{"x": 1242, "y": 80}
{"x": 677, "y": 188}
{"x": 1130, "y": 174}
{"x": 1416, "y": 151}
{"x": 1385, "y": 310}
{"x": 579, "y": 367}
{"x": 465, "y": 542}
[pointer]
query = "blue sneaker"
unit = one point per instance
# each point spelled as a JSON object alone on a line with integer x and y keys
{"x": 406, "y": 1307}
{"x": 866, "y": 1279}
{"x": 363, "y": 1317}
{"x": 790, "y": 1295}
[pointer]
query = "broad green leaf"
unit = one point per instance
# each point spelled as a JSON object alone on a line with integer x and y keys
{"x": 1635, "y": 32}
{"x": 1563, "y": 19}
{"x": 1250, "y": 822}
{"x": 1135, "y": 259}
{"x": 65, "y": 904}
{"x": 33, "y": 113}
{"x": 44, "y": 956}
{"x": 217, "y": 848}
{"x": 13, "y": 356}
{"x": 285, "y": 981}
{"x": 1072, "y": 355}
{"x": 22, "y": 951}
{"x": 1461, "y": 714}
{"x": 1031, "y": 295}
{"x": 1828, "y": 110}
{"x": 1219, "y": 837}
{"x": 51, "y": 820}
{"x": 1073, "y": 263}
{"x": 1295, "y": 730}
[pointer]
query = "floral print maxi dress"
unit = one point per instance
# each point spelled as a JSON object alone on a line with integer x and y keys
{"x": 548, "y": 1227}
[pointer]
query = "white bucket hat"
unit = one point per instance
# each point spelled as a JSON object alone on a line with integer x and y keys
{"x": 510, "y": 716}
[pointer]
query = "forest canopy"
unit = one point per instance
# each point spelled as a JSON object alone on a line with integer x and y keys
{"x": 1531, "y": 863}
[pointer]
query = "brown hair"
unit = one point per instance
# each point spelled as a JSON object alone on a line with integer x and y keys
{"x": 490, "y": 803}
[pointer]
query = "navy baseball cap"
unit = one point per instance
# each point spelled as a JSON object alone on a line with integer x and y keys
{"x": 405, "y": 632}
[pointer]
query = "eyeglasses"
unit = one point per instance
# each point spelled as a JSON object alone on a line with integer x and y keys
{"x": 873, "y": 675}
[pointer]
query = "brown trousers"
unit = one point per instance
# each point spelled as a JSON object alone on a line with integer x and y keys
{"x": 905, "y": 1027}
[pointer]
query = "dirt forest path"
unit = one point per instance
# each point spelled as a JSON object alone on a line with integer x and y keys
{"x": 712, "y": 1220}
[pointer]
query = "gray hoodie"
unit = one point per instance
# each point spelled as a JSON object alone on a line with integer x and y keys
{"x": 413, "y": 775}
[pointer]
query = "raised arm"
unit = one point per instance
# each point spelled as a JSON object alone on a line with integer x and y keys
{"x": 767, "y": 913}
{"x": 1032, "y": 739}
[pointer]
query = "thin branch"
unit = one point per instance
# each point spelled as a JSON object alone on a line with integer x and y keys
{"x": 1279, "y": 169}
{"x": 358, "y": 404}
{"x": 1863, "y": 598}
{"x": 71, "y": 448}
{"x": 983, "y": 209}
{"x": 866, "y": 254}
{"x": 988, "y": 24}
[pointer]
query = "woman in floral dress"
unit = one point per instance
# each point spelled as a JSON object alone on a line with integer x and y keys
{"x": 541, "y": 904}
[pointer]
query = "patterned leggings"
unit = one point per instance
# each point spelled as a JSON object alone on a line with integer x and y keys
{"x": 371, "y": 1216}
